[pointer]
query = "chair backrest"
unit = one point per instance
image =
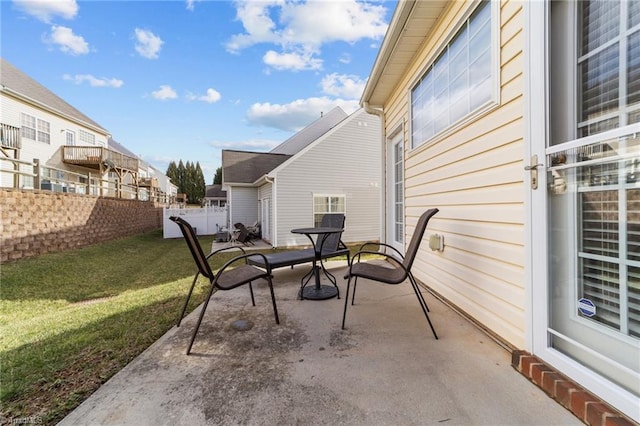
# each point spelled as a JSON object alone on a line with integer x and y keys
{"x": 243, "y": 233}
{"x": 194, "y": 246}
{"x": 416, "y": 238}
{"x": 331, "y": 220}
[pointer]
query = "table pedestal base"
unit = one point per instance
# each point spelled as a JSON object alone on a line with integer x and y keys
{"x": 312, "y": 292}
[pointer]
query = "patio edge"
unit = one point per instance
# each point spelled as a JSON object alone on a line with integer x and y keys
{"x": 582, "y": 403}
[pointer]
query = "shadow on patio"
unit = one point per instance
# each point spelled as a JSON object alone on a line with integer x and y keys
{"x": 385, "y": 368}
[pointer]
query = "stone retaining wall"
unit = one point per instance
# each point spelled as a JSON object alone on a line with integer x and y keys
{"x": 34, "y": 222}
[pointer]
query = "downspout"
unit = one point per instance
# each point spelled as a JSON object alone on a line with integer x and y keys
{"x": 274, "y": 234}
{"x": 383, "y": 166}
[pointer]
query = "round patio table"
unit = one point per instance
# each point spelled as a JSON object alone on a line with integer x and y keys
{"x": 318, "y": 291}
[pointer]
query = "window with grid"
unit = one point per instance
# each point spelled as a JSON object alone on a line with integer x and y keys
{"x": 86, "y": 137}
{"x": 28, "y": 128}
{"x": 459, "y": 82}
{"x": 323, "y": 204}
{"x": 608, "y": 65}
{"x": 35, "y": 128}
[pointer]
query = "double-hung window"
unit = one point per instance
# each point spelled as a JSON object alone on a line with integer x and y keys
{"x": 461, "y": 81}
{"x": 35, "y": 128}
{"x": 323, "y": 204}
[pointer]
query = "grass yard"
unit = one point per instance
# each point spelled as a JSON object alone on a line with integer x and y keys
{"x": 69, "y": 321}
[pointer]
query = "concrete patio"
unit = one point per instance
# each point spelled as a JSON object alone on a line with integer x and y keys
{"x": 386, "y": 368}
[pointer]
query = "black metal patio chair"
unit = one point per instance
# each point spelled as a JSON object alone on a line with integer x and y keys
{"x": 244, "y": 236}
{"x": 399, "y": 271}
{"x": 232, "y": 274}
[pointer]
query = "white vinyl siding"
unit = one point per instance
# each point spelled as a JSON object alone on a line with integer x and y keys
{"x": 346, "y": 161}
{"x": 244, "y": 205}
{"x": 474, "y": 175}
{"x": 48, "y": 153}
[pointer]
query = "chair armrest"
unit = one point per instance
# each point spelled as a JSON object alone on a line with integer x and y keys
{"x": 245, "y": 257}
{"x": 385, "y": 255}
{"x": 371, "y": 243}
{"x": 225, "y": 249}
{"x": 382, "y": 245}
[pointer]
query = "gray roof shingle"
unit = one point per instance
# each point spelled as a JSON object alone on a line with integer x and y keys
{"x": 310, "y": 133}
{"x": 18, "y": 82}
{"x": 247, "y": 167}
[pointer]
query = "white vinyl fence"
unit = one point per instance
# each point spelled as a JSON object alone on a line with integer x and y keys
{"x": 206, "y": 220}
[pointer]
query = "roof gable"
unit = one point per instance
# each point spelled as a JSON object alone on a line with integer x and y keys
{"x": 14, "y": 81}
{"x": 311, "y": 132}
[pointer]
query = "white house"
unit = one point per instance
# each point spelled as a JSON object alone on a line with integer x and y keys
{"x": 75, "y": 153}
{"x": 335, "y": 171}
{"x": 520, "y": 122}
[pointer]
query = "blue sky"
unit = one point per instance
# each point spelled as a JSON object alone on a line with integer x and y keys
{"x": 179, "y": 79}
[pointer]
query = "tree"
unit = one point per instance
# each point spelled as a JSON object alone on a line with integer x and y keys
{"x": 189, "y": 179}
{"x": 217, "y": 179}
{"x": 172, "y": 172}
{"x": 200, "y": 186}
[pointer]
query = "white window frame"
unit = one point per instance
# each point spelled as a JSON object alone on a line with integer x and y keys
{"x": 85, "y": 137}
{"x": 35, "y": 128}
{"x": 328, "y": 196}
{"x": 70, "y": 138}
{"x": 479, "y": 111}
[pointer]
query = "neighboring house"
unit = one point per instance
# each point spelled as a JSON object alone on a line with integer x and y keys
{"x": 169, "y": 189}
{"x": 520, "y": 122}
{"x": 214, "y": 196}
{"x": 240, "y": 171}
{"x": 150, "y": 181}
{"x": 75, "y": 153}
{"x": 303, "y": 178}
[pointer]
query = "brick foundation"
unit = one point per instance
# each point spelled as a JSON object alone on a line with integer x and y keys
{"x": 587, "y": 407}
{"x": 34, "y": 222}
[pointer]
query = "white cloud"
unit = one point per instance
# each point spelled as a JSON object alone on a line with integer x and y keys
{"x": 310, "y": 24}
{"x": 165, "y": 92}
{"x": 191, "y": 4}
{"x": 295, "y": 115}
{"x": 349, "y": 86}
{"x": 292, "y": 61}
{"x": 67, "y": 41}
{"x": 212, "y": 96}
{"x": 345, "y": 58}
{"x": 45, "y": 10}
{"x": 148, "y": 44}
{"x": 94, "y": 81}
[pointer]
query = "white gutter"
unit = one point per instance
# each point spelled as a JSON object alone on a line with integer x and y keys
{"x": 383, "y": 166}
{"x": 59, "y": 113}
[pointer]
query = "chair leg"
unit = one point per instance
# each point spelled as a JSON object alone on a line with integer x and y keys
{"x": 353, "y": 296}
{"x": 423, "y": 304}
{"x": 273, "y": 299}
{"x": 253, "y": 300}
{"x": 204, "y": 308}
{"x": 186, "y": 302}
{"x": 346, "y": 301}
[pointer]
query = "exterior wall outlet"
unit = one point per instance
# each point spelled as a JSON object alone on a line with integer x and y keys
{"x": 436, "y": 242}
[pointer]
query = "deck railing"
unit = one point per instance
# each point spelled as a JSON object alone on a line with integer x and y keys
{"x": 97, "y": 156}
{"x": 32, "y": 175}
{"x": 10, "y": 137}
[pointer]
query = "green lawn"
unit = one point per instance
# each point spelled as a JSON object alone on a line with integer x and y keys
{"x": 69, "y": 321}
